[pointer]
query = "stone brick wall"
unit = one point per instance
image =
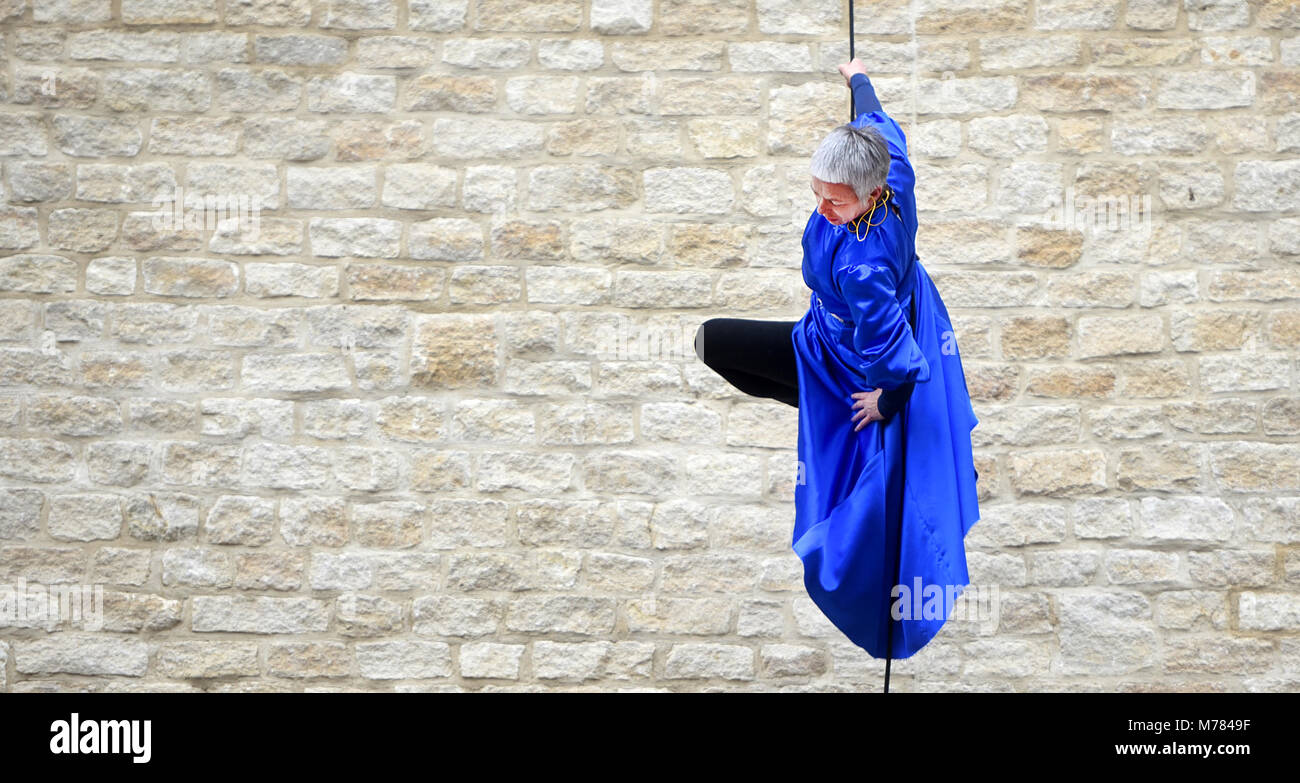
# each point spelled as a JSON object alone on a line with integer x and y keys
{"x": 432, "y": 421}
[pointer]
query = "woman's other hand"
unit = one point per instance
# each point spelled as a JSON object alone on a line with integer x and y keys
{"x": 866, "y": 408}
{"x": 851, "y": 67}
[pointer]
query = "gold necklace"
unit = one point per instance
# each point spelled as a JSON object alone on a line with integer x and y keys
{"x": 884, "y": 197}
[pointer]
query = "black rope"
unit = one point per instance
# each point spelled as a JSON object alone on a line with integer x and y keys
{"x": 853, "y": 114}
{"x": 889, "y": 644}
{"x": 898, "y": 560}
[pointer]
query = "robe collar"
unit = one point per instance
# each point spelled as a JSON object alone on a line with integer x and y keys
{"x": 860, "y": 226}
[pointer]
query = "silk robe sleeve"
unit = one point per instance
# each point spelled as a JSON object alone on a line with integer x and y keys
{"x": 901, "y": 177}
{"x": 882, "y": 337}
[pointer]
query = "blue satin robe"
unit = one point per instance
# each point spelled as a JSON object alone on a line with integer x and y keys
{"x": 911, "y": 474}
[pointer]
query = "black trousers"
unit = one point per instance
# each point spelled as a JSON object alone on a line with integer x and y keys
{"x": 756, "y": 357}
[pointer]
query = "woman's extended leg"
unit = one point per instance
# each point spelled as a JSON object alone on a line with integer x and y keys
{"x": 756, "y": 357}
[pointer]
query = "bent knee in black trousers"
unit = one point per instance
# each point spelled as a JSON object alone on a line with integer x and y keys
{"x": 756, "y": 357}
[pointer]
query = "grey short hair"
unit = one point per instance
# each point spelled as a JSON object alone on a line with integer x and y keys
{"x": 857, "y": 156}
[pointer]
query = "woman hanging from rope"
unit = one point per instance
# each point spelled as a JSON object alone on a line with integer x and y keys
{"x": 887, "y": 488}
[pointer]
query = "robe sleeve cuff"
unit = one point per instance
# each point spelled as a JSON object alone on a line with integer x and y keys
{"x": 891, "y": 401}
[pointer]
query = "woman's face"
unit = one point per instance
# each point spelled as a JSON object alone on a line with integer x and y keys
{"x": 837, "y": 202}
